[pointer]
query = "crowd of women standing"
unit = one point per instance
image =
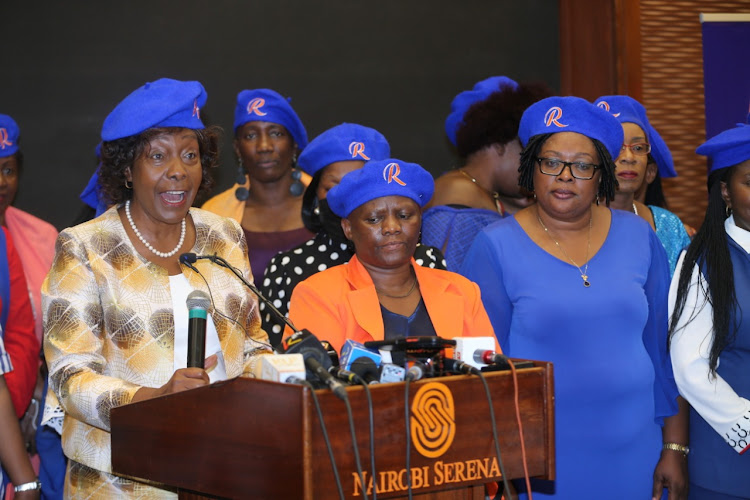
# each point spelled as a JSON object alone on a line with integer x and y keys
{"x": 547, "y": 242}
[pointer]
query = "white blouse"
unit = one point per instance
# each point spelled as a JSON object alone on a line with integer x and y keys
{"x": 712, "y": 397}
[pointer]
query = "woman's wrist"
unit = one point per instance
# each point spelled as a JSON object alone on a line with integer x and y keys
{"x": 676, "y": 447}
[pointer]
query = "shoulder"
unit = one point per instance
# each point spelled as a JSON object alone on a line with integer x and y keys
{"x": 208, "y": 220}
{"x": 107, "y": 224}
{"x": 454, "y": 189}
{"x": 224, "y": 203}
{"x": 325, "y": 283}
{"x": 31, "y": 221}
{"x": 434, "y": 277}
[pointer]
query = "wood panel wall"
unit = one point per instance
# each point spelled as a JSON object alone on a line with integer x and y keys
{"x": 651, "y": 50}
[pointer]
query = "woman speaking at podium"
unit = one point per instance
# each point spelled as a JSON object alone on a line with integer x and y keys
{"x": 114, "y": 301}
{"x": 382, "y": 293}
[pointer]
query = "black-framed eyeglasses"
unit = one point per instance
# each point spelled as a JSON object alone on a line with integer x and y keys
{"x": 579, "y": 170}
{"x": 638, "y": 148}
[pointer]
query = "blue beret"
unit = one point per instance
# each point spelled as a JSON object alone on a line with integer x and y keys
{"x": 266, "y": 105}
{"x": 347, "y": 141}
{"x": 163, "y": 103}
{"x": 727, "y": 148}
{"x": 571, "y": 114}
{"x": 8, "y": 136}
{"x": 627, "y": 109}
{"x": 466, "y": 99}
{"x": 379, "y": 178}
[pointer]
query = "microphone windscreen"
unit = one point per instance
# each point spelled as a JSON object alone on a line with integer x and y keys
{"x": 198, "y": 299}
{"x": 188, "y": 258}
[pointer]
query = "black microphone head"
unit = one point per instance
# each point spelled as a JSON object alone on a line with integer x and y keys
{"x": 307, "y": 344}
{"x": 188, "y": 258}
{"x": 365, "y": 368}
{"x": 198, "y": 299}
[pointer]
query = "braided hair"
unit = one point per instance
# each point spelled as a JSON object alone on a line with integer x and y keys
{"x": 607, "y": 186}
{"x": 709, "y": 250}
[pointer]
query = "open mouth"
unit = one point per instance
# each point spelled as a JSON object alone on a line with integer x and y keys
{"x": 173, "y": 197}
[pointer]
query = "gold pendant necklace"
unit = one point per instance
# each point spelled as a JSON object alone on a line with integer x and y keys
{"x": 411, "y": 290}
{"x": 584, "y": 272}
{"x": 494, "y": 194}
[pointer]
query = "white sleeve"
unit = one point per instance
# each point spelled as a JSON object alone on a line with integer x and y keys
{"x": 712, "y": 397}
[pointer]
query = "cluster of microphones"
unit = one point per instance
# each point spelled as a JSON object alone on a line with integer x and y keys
{"x": 303, "y": 357}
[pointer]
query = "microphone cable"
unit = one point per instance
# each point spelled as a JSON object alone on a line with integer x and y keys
{"x": 506, "y": 486}
{"x": 219, "y": 313}
{"x": 325, "y": 437}
{"x": 355, "y": 447}
{"x": 407, "y": 426}
{"x": 520, "y": 427}
{"x": 371, "y": 416}
{"x": 220, "y": 261}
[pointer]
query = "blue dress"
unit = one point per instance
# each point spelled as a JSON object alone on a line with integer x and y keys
{"x": 672, "y": 234}
{"x": 608, "y": 343}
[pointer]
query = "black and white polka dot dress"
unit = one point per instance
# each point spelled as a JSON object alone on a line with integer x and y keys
{"x": 287, "y": 269}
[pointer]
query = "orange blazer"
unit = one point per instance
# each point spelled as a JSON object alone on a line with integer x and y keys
{"x": 341, "y": 303}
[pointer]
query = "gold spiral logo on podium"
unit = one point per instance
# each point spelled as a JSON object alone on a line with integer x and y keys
{"x": 433, "y": 420}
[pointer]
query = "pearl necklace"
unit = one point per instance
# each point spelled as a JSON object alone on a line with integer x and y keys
{"x": 148, "y": 245}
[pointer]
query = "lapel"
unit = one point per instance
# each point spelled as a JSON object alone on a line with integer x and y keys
{"x": 363, "y": 299}
{"x": 444, "y": 305}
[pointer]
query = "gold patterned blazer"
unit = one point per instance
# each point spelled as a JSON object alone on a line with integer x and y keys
{"x": 109, "y": 327}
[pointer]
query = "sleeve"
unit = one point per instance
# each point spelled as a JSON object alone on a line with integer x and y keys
{"x": 315, "y": 310}
{"x": 432, "y": 257}
{"x": 20, "y": 339}
{"x": 480, "y": 325}
{"x": 256, "y": 340}
{"x": 655, "y": 332}
{"x": 74, "y": 338}
{"x": 276, "y": 287}
{"x": 483, "y": 266}
{"x": 712, "y": 397}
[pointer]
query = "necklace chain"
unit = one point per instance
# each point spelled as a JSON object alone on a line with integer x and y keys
{"x": 148, "y": 245}
{"x": 494, "y": 194}
{"x": 411, "y": 290}
{"x": 584, "y": 271}
{"x": 635, "y": 209}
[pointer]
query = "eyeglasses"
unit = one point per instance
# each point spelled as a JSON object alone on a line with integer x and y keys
{"x": 553, "y": 166}
{"x": 638, "y": 149}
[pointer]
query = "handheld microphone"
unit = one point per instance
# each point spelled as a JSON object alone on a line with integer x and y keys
{"x": 316, "y": 359}
{"x": 367, "y": 369}
{"x": 457, "y": 366}
{"x": 189, "y": 259}
{"x": 198, "y": 303}
{"x": 491, "y": 358}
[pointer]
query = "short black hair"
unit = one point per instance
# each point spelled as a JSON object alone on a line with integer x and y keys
{"x": 119, "y": 155}
{"x": 495, "y": 120}
{"x": 607, "y": 186}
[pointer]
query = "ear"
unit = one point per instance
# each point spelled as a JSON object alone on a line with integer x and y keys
{"x": 725, "y": 194}
{"x": 346, "y": 226}
{"x": 236, "y": 148}
{"x": 500, "y": 149}
{"x": 651, "y": 170}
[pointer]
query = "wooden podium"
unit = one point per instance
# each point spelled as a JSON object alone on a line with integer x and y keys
{"x": 248, "y": 438}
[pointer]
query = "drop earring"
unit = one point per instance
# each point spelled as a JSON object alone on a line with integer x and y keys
{"x": 241, "y": 193}
{"x": 297, "y": 188}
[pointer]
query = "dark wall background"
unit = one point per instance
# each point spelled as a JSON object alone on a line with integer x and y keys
{"x": 392, "y": 65}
